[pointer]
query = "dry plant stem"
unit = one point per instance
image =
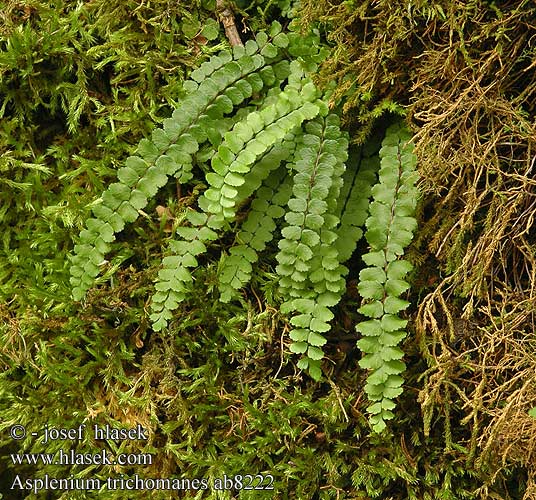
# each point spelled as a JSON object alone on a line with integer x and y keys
{"x": 227, "y": 18}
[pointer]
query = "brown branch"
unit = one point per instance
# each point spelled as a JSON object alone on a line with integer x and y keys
{"x": 227, "y": 18}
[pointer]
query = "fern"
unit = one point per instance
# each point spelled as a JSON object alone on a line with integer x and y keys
{"x": 390, "y": 229}
{"x": 353, "y": 202}
{"x": 310, "y": 272}
{"x": 250, "y": 139}
{"x": 274, "y": 161}
{"x": 174, "y": 278}
{"x": 231, "y": 165}
{"x": 258, "y": 228}
{"x": 216, "y": 87}
{"x": 256, "y": 232}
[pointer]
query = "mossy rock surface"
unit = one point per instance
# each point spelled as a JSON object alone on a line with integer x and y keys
{"x": 81, "y": 83}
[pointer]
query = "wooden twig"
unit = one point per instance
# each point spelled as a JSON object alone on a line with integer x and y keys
{"x": 227, "y": 18}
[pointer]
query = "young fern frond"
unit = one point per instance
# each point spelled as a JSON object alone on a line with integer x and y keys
{"x": 255, "y": 233}
{"x": 390, "y": 228}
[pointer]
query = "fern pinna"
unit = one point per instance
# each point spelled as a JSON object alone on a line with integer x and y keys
{"x": 274, "y": 158}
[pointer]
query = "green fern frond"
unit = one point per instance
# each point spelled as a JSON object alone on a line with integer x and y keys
{"x": 353, "y": 201}
{"x": 263, "y": 169}
{"x": 390, "y": 228}
{"x": 241, "y": 148}
{"x": 310, "y": 272}
{"x": 174, "y": 278}
{"x": 256, "y": 232}
{"x": 249, "y": 140}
